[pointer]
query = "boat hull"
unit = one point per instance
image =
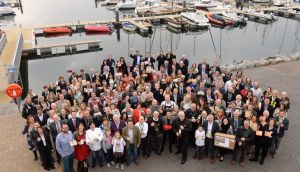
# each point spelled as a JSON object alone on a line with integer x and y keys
{"x": 57, "y": 30}
{"x": 97, "y": 29}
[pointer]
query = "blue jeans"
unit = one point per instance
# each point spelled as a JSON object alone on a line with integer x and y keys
{"x": 109, "y": 155}
{"x": 68, "y": 163}
{"x": 97, "y": 156}
{"x": 131, "y": 152}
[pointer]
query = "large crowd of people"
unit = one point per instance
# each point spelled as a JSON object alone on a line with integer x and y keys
{"x": 125, "y": 112}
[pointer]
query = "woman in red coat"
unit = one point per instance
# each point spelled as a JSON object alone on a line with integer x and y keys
{"x": 137, "y": 112}
{"x": 82, "y": 150}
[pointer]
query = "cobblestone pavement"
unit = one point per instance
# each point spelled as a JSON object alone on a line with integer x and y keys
{"x": 15, "y": 156}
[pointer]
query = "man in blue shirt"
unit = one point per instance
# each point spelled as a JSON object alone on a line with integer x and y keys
{"x": 64, "y": 148}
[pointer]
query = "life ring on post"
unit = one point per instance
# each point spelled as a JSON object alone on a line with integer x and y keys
{"x": 14, "y": 91}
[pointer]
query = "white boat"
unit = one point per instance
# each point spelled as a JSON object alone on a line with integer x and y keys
{"x": 5, "y": 10}
{"x": 260, "y": 16}
{"x": 220, "y": 8}
{"x": 200, "y": 19}
{"x": 232, "y": 15}
{"x": 128, "y": 4}
{"x": 204, "y": 4}
{"x": 110, "y": 2}
{"x": 153, "y": 7}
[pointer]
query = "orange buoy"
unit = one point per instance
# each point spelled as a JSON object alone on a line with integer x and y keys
{"x": 14, "y": 90}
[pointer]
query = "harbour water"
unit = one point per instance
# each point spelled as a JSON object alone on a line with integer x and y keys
{"x": 254, "y": 41}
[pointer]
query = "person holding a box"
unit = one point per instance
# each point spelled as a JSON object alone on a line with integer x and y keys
{"x": 211, "y": 127}
{"x": 243, "y": 137}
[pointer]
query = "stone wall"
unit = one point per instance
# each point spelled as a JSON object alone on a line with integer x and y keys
{"x": 245, "y": 64}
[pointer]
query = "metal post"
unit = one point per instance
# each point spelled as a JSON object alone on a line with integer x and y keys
{"x": 117, "y": 17}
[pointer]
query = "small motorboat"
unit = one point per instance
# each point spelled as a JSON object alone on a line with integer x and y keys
{"x": 128, "y": 26}
{"x": 219, "y": 20}
{"x": 204, "y": 4}
{"x": 128, "y": 4}
{"x": 200, "y": 19}
{"x": 96, "y": 28}
{"x": 57, "y": 30}
{"x": 177, "y": 22}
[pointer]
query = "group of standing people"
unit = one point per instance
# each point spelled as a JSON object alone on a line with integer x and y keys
{"x": 126, "y": 111}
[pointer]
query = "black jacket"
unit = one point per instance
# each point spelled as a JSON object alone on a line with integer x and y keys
{"x": 44, "y": 121}
{"x": 248, "y": 134}
{"x": 158, "y": 125}
{"x": 285, "y": 123}
{"x": 215, "y": 127}
{"x": 187, "y": 127}
{"x": 28, "y": 109}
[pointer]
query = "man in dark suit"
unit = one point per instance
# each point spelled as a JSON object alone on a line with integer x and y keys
{"x": 137, "y": 58}
{"x": 182, "y": 128}
{"x": 185, "y": 60}
{"x": 28, "y": 108}
{"x": 73, "y": 122}
{"x": 170, "y": 56}
{"x": 283, "y": 123}
{"x": 203, "y": 68}
{"x": 181, "y": 90}
{"x": 229, "y": 95}
{"x": 215, "y": 67}
{"x": 55, "y": 129}
{"x": 160, "y": 59}
{"x": 111, "y": 63}
{"x": 175, "y": 97}
{"x": 266, "y": 106}
{"x": 40, "y": 117}
{"x": 149, "y": 60}
{"x": 236, "y": 122}
{"x": 84, "y": 76}
{"x": 210, "y": 127}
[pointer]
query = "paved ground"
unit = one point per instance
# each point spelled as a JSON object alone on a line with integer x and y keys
{"x": 286, "y": 76}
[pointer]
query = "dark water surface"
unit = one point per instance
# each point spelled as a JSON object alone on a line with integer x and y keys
{"x": 254, "y": 41}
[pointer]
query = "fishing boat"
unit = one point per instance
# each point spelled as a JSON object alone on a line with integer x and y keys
{"x": 127, "y": 26}
{"x": 156, "y": 7}
{"x": 177, "y": 22}
{"x": 5, "y": 10}
{"x": 57, "y": 30}
{"x": 219, "y": 20}
{"x": 128, "y": 4}
{"x": 96, "y": 28}
{"x": 200, "y": 19}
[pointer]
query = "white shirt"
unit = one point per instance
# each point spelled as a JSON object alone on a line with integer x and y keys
{"x": 143, "y": 128}
{"x": 118, "y": 145}
{"x": 228, "y": 84}
{"x": 200, "y": 138}
{"x": 43, "y": 139}
{"x": 91, "y": 136}
{"x": 209, "y": 128}
{"x": 258, "y": 93}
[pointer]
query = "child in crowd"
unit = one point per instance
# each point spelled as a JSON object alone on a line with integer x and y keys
{"x": 107, "y": 147}
{"x": 118, "y": 149}
{"x": 200, "y": 142}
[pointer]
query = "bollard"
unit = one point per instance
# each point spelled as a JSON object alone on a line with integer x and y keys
{"x": 184, "y": 4}
{"x": 117, "y": 17}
